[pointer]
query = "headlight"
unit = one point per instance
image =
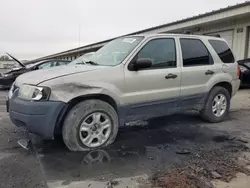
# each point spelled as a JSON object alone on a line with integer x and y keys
{"x": 11, "y": 91}
{"x": 6, "y": 75}
{"x": 36, "y": 93}
{"x": 242, "y": 68}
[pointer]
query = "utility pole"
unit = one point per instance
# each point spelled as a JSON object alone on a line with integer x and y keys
{"x": 79, "y": 35}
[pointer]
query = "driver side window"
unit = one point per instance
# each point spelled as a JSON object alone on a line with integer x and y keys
{"x": 162, "y": 53}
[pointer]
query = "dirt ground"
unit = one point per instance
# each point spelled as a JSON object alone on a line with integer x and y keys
{"x": 176, "y": 151}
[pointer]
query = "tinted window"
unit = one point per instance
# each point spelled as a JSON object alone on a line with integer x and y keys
{"x": 194, "y": 53}
{"x": 223, "y": 51}
{"x": 162, "y": 52}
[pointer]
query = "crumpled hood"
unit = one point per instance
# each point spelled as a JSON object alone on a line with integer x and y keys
{"x": 17, "y": 69}
{"x": 39, "y": 76}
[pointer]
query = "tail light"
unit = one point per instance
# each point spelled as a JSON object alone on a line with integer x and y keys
{"x": 238, "y": 71}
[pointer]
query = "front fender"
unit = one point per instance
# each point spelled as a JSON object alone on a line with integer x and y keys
{"x": 66, "y": 92}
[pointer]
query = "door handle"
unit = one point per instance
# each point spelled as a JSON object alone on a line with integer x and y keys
{"x": 171, "y": 76}
{"x": 209, "y": 72}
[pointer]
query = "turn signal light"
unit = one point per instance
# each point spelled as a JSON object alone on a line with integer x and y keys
{"x": 238, "y": 71}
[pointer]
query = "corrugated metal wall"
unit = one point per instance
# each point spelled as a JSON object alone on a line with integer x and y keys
{"x": 235, "y": 31}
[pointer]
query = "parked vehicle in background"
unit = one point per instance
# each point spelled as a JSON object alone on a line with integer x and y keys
{"x": 7, "y": 78}
{"x": 130, "y": 78}
{"x": 244, "y": 72}
{"x": 82, "y": 59}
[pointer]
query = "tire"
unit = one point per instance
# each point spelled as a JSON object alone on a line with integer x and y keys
{"x": 207, "y": 113}
{"x": 76, "y": 117}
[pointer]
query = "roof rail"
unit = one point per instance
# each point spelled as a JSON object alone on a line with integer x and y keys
{"x": 211, "y": 35}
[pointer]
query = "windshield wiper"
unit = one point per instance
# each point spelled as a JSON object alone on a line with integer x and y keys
{"x": 91, "y": 63}
{"x": 81, "y": 63}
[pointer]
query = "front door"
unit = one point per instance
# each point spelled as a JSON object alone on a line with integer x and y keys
{"x": 154, "y": 91}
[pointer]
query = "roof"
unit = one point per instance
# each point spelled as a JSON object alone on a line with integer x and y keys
{"x": 177, "y": 35}
{"x": 151, "y": 29}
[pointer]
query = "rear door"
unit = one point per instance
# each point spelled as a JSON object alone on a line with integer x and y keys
{"x": 154, "y": 91}
{"x": 198, "y": 68}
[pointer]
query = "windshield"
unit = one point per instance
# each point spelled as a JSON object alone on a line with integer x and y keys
{"x": 114, "y": 52}
{"x": 82, "y": 59}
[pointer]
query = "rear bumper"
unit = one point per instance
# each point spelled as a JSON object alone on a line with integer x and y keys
{"x": 236, "y": 86}
{"x": 39, "y": 118}
{"x": 245, "y": 78}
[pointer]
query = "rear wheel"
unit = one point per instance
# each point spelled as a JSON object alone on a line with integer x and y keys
{"x": 91, "y": 124}
{"x": 217, "y": 105}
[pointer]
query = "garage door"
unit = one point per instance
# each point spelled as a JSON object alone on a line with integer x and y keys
{"x": 227, "y": 35}
{"x": 248, "y": 47}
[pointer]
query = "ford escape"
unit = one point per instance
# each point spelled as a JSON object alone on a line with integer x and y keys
{"x": 130, "y": 78}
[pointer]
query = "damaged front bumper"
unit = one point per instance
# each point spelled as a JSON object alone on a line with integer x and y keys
{"x": 39, "y": 117}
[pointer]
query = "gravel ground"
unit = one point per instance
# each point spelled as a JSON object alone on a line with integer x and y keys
{"x": 18, "y": 168}
{"x": 175, "y": 151}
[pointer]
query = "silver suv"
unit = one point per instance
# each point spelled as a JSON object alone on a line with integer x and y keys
{"x": 130, "y": 78}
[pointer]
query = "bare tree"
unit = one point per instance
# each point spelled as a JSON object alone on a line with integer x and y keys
{"x": 4, "y": 58}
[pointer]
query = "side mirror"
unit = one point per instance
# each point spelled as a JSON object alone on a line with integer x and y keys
{"x": 142, "y": 63}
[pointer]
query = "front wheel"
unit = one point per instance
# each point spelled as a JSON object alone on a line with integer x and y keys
{"x": 91, "y": 124}
{"x": 217, "y": 105}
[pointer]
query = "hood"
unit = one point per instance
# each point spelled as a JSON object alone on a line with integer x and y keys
{"x": 13, "y": 70}
{"x": 39, "y": 76}
{"x": 19, "y": 62}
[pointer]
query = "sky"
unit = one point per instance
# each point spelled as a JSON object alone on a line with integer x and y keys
{"x": 35, "y": 28}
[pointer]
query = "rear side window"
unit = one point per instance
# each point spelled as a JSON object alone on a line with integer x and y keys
{"x": 223, "y": 51}
{"x": 195, "y": 53}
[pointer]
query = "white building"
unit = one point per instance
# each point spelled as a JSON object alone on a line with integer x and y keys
{"x": 7, "y": 64}
{"x": 231, "y": 23}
